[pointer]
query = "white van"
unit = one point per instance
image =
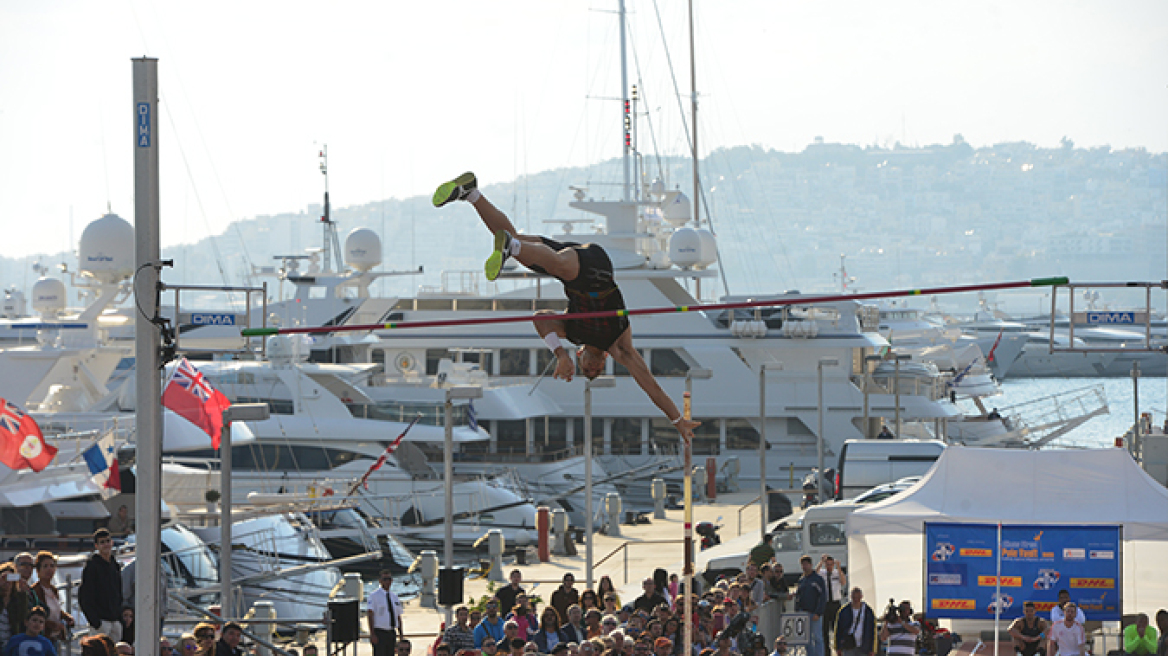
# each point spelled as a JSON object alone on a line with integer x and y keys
{"x": 864, "y": 464}
{"x": 815, "y": 531}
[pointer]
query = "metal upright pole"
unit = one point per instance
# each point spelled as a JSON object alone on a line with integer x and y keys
{"x": 762, "y": 472}
{"x": 448, "y": 474}
{"x": 1135, "y": 445}
{"x": 624, "y": 94}
{"x": 227, "y": 601}
{"x": 819, "y": 439}
{"x": 588, "y": 511}
{"x": 896, "y": 381}
{"x": 687, "y": 565}
{"x": 147, "y": 340}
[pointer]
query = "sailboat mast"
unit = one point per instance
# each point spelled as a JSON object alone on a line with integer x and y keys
{"x": 693, "y": 85}
{"x": 625, "y": 109}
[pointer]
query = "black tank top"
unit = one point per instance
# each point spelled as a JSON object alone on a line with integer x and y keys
{"x": 593, "y": 289}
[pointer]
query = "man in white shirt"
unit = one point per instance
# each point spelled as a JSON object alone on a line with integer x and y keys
{"x": 837, "y": 585}
{"x": 1067, "y": 635}
{"x": 385, "y": 617}
{"x": 1056, "y": 613}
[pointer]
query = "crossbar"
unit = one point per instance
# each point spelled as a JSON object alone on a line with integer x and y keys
{"x": 801, "y": 300}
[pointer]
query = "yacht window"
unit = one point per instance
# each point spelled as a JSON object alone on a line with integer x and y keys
{"x": 597, "y": 434}
{"x": 515, "y": 362}
{"x": 741, "y": 434}
{"x": 827, "y": 533}
{"x": 626, "y": 436}
{"x": 619, "y": 369}
{"x": 550, "y": 434}
{"x": 667, "y": 362}
{"x": 378, "y": 357}
{"x": 543, "y": 361}
{"x": 664, "y": 436}
{"x": 317, "y": 292}
{"x": 280, "y": 457}
{"x": 483, "y": 360}
{"x": 557, "y": 304}
{"x": 404, "y": 304}
{"x": 475, "y": 304}
{"x": 433, "y": 357}
{"x": 515, "y": 304}
{"x": 275, "y": 406}
{"x": 511, "y": 436}
{"x": 435, "y": 304}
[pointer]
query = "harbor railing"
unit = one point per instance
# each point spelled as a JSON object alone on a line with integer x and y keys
{"x": 624, "y": 550}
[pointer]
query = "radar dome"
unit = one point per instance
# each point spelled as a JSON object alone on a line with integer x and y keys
{"x": 708, "y": 254}
{"x": 106, "y": 252}
{"x": 48, "y": 297}
{"x": 677, "y": 209}
{"x": 362, "y": 249}
{"x": 685, "y": 248}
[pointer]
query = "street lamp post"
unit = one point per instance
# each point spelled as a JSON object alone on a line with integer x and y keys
{"x": 688, "y": 565}
{"x": 457, "y": 392}
{"x": 764, "y": 499}
{"x": 898, "y": 358}
{"x": 823, "y": 362}
{"x": 867, "y": 379}
{"x": 600, "y": 382}
{"x": 235, "y": 412}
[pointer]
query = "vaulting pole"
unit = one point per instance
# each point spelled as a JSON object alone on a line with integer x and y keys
{"x": 799, "y": 300}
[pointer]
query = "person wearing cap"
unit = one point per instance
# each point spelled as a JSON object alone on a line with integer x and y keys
{"x": 662, "y": 647}
{"x": 491, "y": 626}
{"x": 780, "y": 646}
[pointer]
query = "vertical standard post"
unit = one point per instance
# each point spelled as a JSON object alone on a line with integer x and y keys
{"x": 896, "y": 381}
{"x": 624, "y": 95}
{"x": 588, "y": 483}
{"x": 147, "y": 339}
{"x": 819, "y": 440}
{"x": 762, "y": 487}
{"x": 1135, "y": 445}
{"x": 688, "y": 550}
{"x": 693, "y": 121}
{"x": 448, "y": 473}
{"x": 226, "y": 602}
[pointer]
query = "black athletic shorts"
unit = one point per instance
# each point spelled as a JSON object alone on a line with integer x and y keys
{"x": 593, "y": 289}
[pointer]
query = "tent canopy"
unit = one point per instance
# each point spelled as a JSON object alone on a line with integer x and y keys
{"x": 980, "y": 485}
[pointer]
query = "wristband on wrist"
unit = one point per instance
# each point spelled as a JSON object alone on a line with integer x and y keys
{"x": 678, "y": 420}
{"x": 553, "y": 341}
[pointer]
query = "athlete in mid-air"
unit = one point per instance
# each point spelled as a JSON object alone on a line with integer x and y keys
{"x": 586, "y": 273}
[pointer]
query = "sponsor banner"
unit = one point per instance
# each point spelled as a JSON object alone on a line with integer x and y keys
{"x": 962, "y": 571}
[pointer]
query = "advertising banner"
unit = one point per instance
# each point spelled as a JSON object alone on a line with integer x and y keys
{"x": 1036, "y": 561}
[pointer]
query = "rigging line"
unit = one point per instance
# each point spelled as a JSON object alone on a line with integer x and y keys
{"x": 198, "y": 198}
{"x": 601, "y": 314}
{"x": 648, "y": 114}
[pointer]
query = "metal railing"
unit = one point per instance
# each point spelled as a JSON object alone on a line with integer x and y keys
{"x": 625, "y": 549}
{"x": 753, "y": 503}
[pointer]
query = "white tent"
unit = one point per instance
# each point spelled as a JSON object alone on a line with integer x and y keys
{"x": 979, "y": 485}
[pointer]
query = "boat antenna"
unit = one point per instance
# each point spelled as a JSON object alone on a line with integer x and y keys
{"x": 332, "y": 244}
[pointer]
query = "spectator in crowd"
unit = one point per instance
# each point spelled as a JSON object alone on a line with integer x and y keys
{"x": 30, "y": 642}
{"x": 1029, "y": 631}
{"x": 1066, "y": 635}
{"x": 491, "y": 626}
{"x": 121, "y": 524}
{"x": 44, "y": 594}
{"x": 661, "y": 583}
{"x": 489, "y": 648}
{"x": 510, "y": 633}
{"x": 650, "y": 598}
{"x": 124, "y": 648}
{"x": 523, "y": 615}
{"x": 205, "y": 638}
{"x": 776, "y": 587}
{"x": 900, "y": 630}
{"x": 506, "y": 595}
{"x": 605, "y": 588}
{"x": 855, "y": 627}
{"x": 128, "y": 625}
{"x": 187, "y": 645}
{"x": 385, "y": 617}
{"x": 662, "y": 647}
{"x": 811, "y": 597}
{"x": 573, "y": 629}
{"x": 403, "y": 647}
{"x": 780, "y": 647}
{"x": 25, "y": 567}
{"x": 229, "y": 637}
{"x": 549, "y": 634}
{"x": 111, "y": 648}
{"x": 836, "y": 585}
{"x": 1139, "y": 639}
{"x": 763, "y": 552}
{"x": 1162, "y": 622}
{"x": 100, "y": 595}
{"x": 14, "y": 604}
{"x": 518, "y": 646}
{"x": 589, "y": 600}
{"x": 565, "y": 595}
{"x": 94, "y": 646}
{"x": 460, "y": 636}
{"x": 164, "y": 647}
{"x": 592, "y": 627}
{"x": 1056, "y": 613}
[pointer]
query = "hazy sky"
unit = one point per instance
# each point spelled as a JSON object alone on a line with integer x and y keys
{"x": 407, "y": 94}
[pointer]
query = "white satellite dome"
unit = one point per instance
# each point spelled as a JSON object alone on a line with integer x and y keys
{"x": 48, "y": 297}
{"x": 685, "y": 248}
{"x": 106, "y": 252}
{"x": 677, "y": 209}
{"x": 362, "y": 249}
{"x": 708, "y": 253}
{"x": 13, "y": 307}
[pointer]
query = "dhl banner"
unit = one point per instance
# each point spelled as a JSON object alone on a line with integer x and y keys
{"x": 961, "y": 569}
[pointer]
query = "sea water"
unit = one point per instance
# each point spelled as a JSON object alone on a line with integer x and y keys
{"x": 1101, "y": 430}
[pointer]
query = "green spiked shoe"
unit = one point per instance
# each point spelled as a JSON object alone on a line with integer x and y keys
{"x": 495, "y": 262}
{"x": 456, "y": 189}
